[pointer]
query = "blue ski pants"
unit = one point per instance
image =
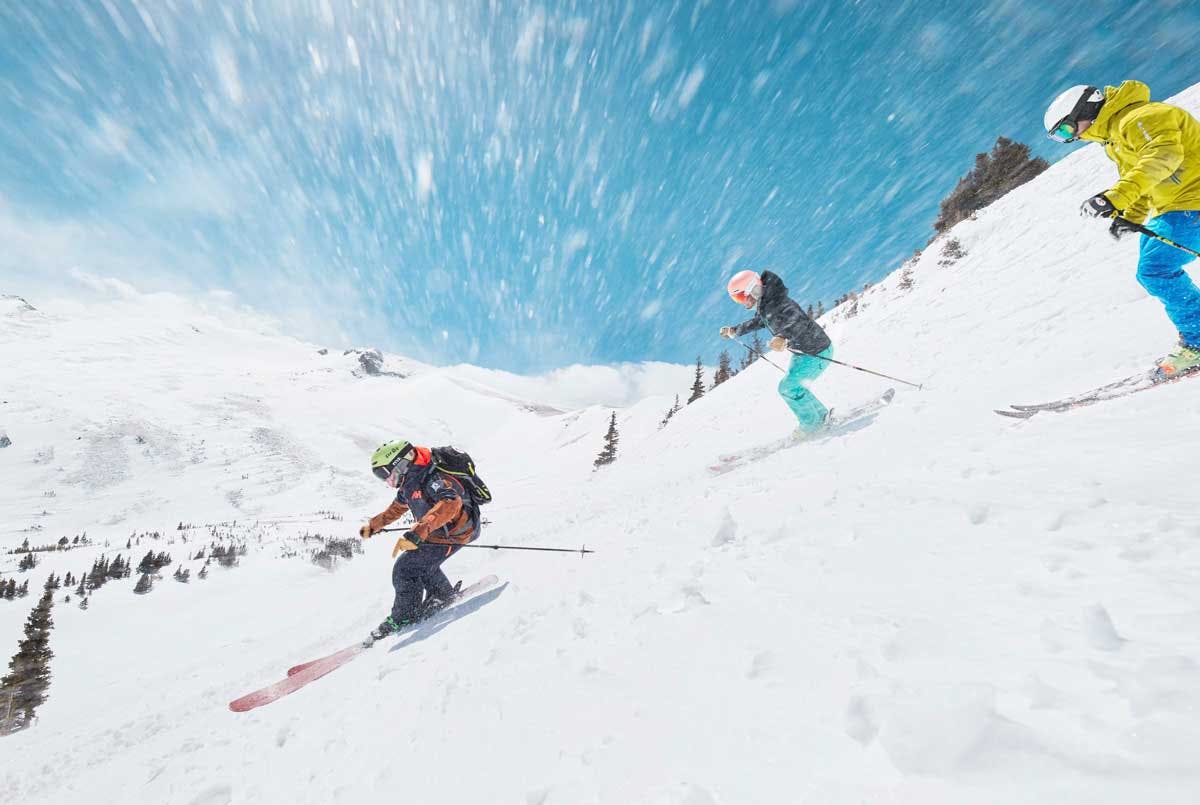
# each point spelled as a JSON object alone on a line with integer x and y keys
{"x": 794, "y": 389}
{"x": 1160, "y": 270}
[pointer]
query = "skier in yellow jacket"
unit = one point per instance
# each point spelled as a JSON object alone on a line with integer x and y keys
{"x": 1156, "y": 148}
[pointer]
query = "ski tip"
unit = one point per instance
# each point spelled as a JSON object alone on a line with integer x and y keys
{"x": 1015, "y": 414}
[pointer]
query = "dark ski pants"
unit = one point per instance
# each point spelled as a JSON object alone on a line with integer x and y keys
{"x": 417, "y": 572}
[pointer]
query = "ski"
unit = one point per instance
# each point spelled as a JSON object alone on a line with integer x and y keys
{"x": 300, "y": 675}
{"x": 837, "y": 423}
{"x": 1142, "y": 381}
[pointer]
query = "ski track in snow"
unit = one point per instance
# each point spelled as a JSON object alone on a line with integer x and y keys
{"x": 940, "y": 607}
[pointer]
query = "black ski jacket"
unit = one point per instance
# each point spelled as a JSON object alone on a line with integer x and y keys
{"x": 783, "y": 316}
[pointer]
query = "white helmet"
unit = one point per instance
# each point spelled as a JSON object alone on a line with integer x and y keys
{"x": 1080, "y": 102}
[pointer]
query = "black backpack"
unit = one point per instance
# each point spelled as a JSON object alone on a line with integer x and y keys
{"x": 462, "y": 466}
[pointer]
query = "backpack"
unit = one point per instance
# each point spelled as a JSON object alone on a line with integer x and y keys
{"x": 462, "y": 466}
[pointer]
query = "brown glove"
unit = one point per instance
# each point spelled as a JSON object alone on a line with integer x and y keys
{"x": 366, "y": 531}
{"x": 409, "y": 541}
{"x": 778, "y": 343}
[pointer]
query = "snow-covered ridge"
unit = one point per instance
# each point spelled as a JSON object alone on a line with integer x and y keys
{"x": 940, "y": 606}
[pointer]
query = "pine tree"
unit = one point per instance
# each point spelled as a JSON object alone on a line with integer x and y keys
{"x": 1009, "y": 165}
{"x": 28, "y": 562}
{"x": 698, "y": 383}
{"x": 23, "y": 590}
{"x": 820, "y": 309}
{"x": 724, "y": 369}
{"x": 144, "y": 584}
{"x": 672, "y": 411}
{"x": 83, "y": 603}
{"x": 609, "y": 454}
{"x": 23, "y": 690}
{"x": 203, "y": 574}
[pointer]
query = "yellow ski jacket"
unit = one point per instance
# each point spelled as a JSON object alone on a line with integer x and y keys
{"x": 1157, "y": 150}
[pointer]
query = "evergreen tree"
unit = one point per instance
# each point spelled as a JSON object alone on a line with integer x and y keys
{"x": 724, "y": 369}
{"x": 672, "y": 411}
{"x": 609, "y": 454}
{"x": 809, "y": 311}
{"x": 820, "y": 308}
{"x": 203, "y": 571}
{"x": 23, "y": 590}
{"x": 8, "y": 590}
{"x": 144, "y": 584}
{"x": 83, "y": 603}
{"x": 698, "y": 383}
{"x": 28, "y": 562}
{"x": 147, "y": 564}
{"x": 82, "y": 589}
{"x": 23, "y": 690}
{"x": 1009, "y": 165}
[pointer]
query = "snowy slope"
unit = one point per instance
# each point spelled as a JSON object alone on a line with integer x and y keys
{"x": 943, "y": 606}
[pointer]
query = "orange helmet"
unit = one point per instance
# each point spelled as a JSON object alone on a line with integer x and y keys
{"x": 744, "y": 287}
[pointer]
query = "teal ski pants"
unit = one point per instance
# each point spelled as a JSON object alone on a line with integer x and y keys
{"x": 794, "y": 389}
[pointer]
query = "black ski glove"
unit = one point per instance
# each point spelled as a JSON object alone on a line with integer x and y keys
{"x": 1119, "y": 228}
{"x": 1098, "y": 206}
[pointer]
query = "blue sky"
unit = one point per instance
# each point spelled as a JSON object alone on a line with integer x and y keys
{"x": 522, "y": 185}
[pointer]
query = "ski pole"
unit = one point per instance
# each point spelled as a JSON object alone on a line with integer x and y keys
{"x": 1150, "y": 233}
{"x": 830, "y": 360}
{"x": 856, "y": 368}
{"x": 580, "y": 551}
{"x": 754, "y": 351}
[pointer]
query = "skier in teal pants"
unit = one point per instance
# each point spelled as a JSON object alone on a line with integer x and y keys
{"x": 791, "y": 328}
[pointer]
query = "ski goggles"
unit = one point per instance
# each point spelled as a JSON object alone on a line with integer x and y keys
{"x": 1065, "y": 132}
{"x": 391, "y": 473}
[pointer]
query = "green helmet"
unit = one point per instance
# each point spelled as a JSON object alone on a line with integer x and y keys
{"x": 392, "y": 457}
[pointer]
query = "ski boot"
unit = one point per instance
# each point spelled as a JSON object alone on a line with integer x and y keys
{"x": 800, "y": 434}
{"x": 435, "y": 603}
{"x": 389, "y": 626}
{"x": 1185, "y": 359}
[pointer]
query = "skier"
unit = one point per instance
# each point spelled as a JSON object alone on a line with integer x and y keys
{"x": 442, "y": 507}
{"x": 1156, "y": 147}
{"x": 791, "y": 329}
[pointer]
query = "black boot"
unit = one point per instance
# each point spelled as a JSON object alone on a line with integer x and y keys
{"x": 434, "y": 603}
{"x": 389, "y": 626}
